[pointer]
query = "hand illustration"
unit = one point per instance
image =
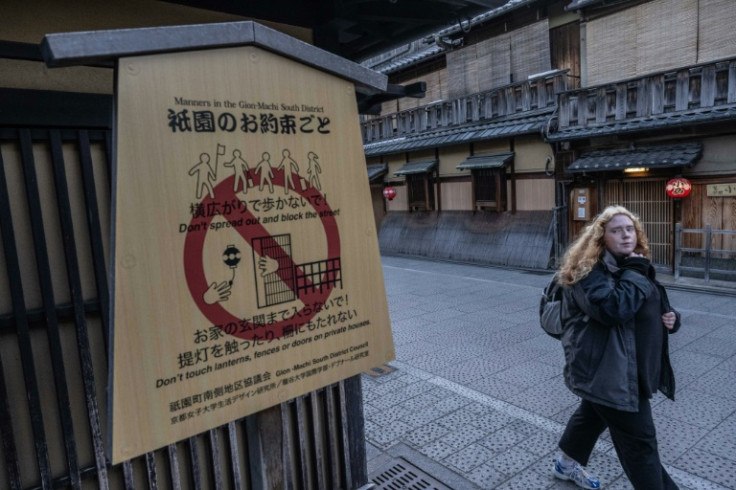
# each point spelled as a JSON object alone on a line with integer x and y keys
{"x": 267, "y": 265}
{"x": 217, "y": 292}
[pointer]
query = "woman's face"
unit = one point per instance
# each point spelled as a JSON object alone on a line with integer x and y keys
{"x": 620, "y": 236}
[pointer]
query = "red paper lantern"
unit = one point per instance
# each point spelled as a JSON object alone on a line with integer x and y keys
{"x": 678, "y": 187}
{"x": 389, "y": 193}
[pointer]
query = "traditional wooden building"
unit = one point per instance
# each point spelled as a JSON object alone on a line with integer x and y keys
{"x": 472, "y": 172}
{"x": 657, "y": 101}
{"x": 540, "y": 113}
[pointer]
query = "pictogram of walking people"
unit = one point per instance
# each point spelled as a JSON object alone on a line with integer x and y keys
{"x": 246, "y": 177}
{"x": 206, "y": 175}
{"x": 313, "y": 170}
{"x": 289, "y": 167}
{"x": 240, "y": 169}
{"x": 265, "y": 172}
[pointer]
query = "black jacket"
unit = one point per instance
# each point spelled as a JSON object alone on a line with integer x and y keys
{"x": 599, "y": 337}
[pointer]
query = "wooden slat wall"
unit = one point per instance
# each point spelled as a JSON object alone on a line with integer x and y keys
{"x": 701, "y": 210}
{"x": 534, "y": 194}
{"x": 565, "y": 51}
{"x": 457, "y": 196}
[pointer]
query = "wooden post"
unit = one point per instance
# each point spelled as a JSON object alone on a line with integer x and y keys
{"x": 620, "y": 101}
{"x": 678, "y": 249}
{"x": 473, "y": 189}
{"x": 708, "y": 86}
{"x": 708, "y": 241}
{"x": 426, "y": 178}
{"x": 513, "y": 186}
{"x": 601, "y": 105}
{"x": 657, "y": 88}
{"x": 439, "y": 189}
{"x": 564, "y": 110}
{"x": 731, "y": 98}
{"x": 499, "y": 194}
{"x": 265, "y": 449}
{"x": 682, "y": 90}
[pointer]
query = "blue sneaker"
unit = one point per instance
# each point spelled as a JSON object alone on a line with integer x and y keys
{"x": 576, "y": 474}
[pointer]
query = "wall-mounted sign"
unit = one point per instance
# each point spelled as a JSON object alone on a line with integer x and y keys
{"x": 246, "y": 263}
{"x": 721, "y": 190}
{"x": 581, "y": 204}
{"x": 678, "y": 187}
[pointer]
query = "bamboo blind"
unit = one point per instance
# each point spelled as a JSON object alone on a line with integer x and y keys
{"x": 493, "y": 62}
{"x": 715, "y": 30}
{"x": 462, "y": 73}
{"x": 435, "y": 84}
{"x": 666, "y": 35}
{"x": 530, "y": 50}
{"x": 604, "y": 63}
{"x": 651, "y": 37}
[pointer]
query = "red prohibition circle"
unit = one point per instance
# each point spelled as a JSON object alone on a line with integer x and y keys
{"x": 313, "y": 299}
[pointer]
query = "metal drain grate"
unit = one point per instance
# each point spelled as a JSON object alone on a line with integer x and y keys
{"x": 401, "y": 475}
{"x": 380, "y": 370}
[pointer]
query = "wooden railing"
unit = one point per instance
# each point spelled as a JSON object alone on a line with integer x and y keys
{"x": 690, "y": 88}
{"x": 705, "y": 255}
{"x": 529, "y": 95}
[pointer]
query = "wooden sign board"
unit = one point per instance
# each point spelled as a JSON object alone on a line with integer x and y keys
{"x": 581, "y": 204}
{"x": 246, "y": 263}
{"x": 721, "y": 190}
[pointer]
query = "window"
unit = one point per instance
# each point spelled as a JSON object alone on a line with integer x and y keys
{"x": 488, "y": 173}
{"x": 490, "y": 188}
{"x": 421, "y": 192}
{"x": 420, "y": 184}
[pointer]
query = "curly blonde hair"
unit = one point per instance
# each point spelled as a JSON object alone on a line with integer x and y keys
{"x": 590, "y": 245}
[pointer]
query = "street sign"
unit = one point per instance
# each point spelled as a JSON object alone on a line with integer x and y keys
{"x": 245, "y": 257}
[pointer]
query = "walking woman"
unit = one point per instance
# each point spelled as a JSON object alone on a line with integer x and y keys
{"x": 617, "y": 319}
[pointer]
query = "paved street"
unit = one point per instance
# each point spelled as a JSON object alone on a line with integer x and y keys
{"x": 476, "y": 399}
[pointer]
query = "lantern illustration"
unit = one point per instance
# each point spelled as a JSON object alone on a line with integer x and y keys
{"x": 389, "y": 193}
{"x": 678, "y": 187}
{"x": 231, "y": 256}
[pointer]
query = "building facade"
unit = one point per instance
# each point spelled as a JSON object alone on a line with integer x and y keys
{"x": 638, "y": 93}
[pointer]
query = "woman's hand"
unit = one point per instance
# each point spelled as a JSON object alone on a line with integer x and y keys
{"x": 668, "y": 319}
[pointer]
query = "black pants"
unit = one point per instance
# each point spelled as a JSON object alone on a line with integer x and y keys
{"x": 634, "y": 438}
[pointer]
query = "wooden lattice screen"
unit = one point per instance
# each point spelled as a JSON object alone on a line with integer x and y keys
{"x": 54, "y": 223}
{"x": 648, "y": 200}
